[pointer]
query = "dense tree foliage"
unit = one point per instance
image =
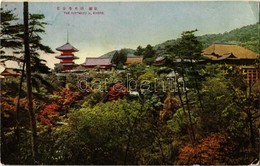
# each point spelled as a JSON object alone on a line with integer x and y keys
{"x": 139, "y": 51}
{"x": 119, "y": 58}
{"x": 148, "y": 53}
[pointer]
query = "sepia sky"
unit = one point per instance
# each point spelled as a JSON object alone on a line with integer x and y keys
{"x": 130, "y": 24}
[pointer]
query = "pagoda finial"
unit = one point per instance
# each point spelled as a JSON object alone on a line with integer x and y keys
{"x": 68, "y": 33}
{"x": 67, "y": 36}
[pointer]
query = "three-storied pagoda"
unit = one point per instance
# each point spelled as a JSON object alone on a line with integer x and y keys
{"x": 67, "y": 57}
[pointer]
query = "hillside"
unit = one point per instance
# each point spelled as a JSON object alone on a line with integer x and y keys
{"x": 247, "y": 36}
{"x": 130, "y": 53}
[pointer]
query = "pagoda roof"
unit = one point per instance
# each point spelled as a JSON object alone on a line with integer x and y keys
{"x": 68, "y": 64}
{"x": 228, "y": 51}
{"x": 67, "y": 47}
{"x": 66, "y": 57}
{"x": 97, "y": 62}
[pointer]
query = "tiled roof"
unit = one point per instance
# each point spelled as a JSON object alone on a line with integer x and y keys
{"x": 97, "y": 62}
{"x": 68, "y": 64}
{"x": 67, "y": 47}
{"x": 228, "y": 51}
{"x": 133, "y": 60}
{"x": 67, "y": 57}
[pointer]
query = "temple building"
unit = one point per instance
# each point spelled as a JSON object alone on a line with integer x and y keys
{"x": 245, "y": 59}
{"x": 101, "y": 63}
{"x": 67, "y": 57}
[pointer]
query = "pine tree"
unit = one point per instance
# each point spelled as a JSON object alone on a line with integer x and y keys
{"x": 12, "y": 38}
{"x": 149, "y": 55}
{"x": 119, "y": 58}
{"x": 10, "y": 35}
{"x": 28, "y": 81}
{"x": 139, "y": 51}
{"x": 36, "y": 27}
